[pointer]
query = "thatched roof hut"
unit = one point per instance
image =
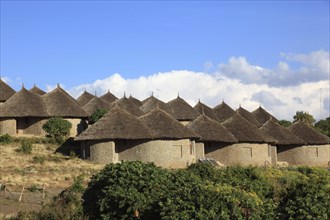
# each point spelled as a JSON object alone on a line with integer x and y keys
{"x": 135, "y": 101}
{"x": 281, "y": 134}
{"x": 129, "y": 106}
{"x": 152, "y": 102}
{"x": 248, "y": 116}
{"x": 24, "y": 104}
{"x": 109, "y": 97}
{"x": 37, "y": 90}
{"x": 181, "y": 110}
{"x": 308, "y": 134}
{"x": 164, "y": 126}
{"x": 204, "y": 109}
{"x": 211, "y": 130}
{"x": 245, "y": 131}
{"x": 59, "y": 103}
{"x": 117, "y": 124}
{"x": 84, "y": 98}
{"x": 262, "y": 115}
{"x": 5, "y": 91}
{"x": 96, "y": 103}
{"x": 223, "y": 111}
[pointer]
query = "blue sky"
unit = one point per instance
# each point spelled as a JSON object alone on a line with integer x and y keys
{"x": 79, "y": 42}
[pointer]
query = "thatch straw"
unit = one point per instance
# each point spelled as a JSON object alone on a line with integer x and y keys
{"x": 5, "y": 91}
{"x": 35, "y": 89}
{"x": 262, "y": 115}
{"x": 152, "y": 102}
{"x": 84, "y": 98}
{"x": 128, "y": 106}
{"x": 248, "y": 116}
{"x": 109, "y": 97}
{"x": 116, "y": 124}
{"x": 223, "y": 111}
{"x": 308, "y": 134}
{"x": 181, "y": 110}
{"x": 135, "y": 101}
{"x": 96, "y": 103}
{"x": 211, "y": 130}
{"x": 204, "y": 109}
{"x": 281, "y": 134}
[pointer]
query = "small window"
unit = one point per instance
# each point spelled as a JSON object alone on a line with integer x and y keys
{"x": 247, "y": 151}
{"x": 313, "y": 152}
{"x": 192, "y": 147}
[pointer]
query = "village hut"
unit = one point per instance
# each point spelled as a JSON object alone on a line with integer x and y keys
{"x": 84, "y": 98}
{"x": 152, "y": 102}
{"x": 135, "y": 101}
{"x": 248, "y": 116}
{"x": 173, "y": 145}
{"x": 24, "y": 113}
{"x": 262, "y": 115}
{"x": 254, "y": 147}
{"x": 204, "y": 109}
{"x": 214, "y": 136}
{"x": 109, "y": 97}
{"x": 223, "y": 111}
{"x": 129, "y": 106}
{"x": 5, "y": 91}
{"x": 182, "y": 111}
{"x": 315, "y": 152}
{"x": 113, "y": 134}
{"x": 35, "y": 89}
{"x": 96, "y": 103}
{"x": 60, "y": 104}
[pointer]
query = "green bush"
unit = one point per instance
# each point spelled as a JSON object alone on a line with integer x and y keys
{"x": 57, "y": 128}
{"x": 25, "y": 147}
{"x": 6, "y": 139}
{"x": 97, "y": 115}
{"x": 39, "y": 159}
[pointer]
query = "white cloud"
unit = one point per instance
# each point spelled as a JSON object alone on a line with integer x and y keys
{"x": 5, "y": 79}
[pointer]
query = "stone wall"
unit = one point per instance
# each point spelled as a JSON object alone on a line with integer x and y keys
{"x": 199, "y": 150}
{"x": 102, "y": 152}
{"x": 31, "y": 126}
{"x": 240, "y": 153}
{"x": 7, "y": 126}
{"x": 78, "y": 126}
{"x": 311, "y": 155}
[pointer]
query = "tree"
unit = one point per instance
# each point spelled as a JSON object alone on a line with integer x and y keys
{"x": 57, "y": 128}
{"x": 323, "y": 126}
{"x": 285, "y": 123}
{"x": 97, "y": 115}
{"x": 304, "y": 117}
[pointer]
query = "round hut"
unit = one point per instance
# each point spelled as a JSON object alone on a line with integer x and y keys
{"x": 6, "y": 91}
{"x": 248, "y": 116}
{"x": 152, "y": 102}
{"x": 263, "y": 116}
{"x": 96, "y": 103}
{"x": 135, "y": 101}
{"x": 204, "y": 109}
{"x": 223, "y": 111}
{"x": 182, "y": 111}
{"x": 214, "y": 137}
{"x": 35, "y": 89}
{"x": 253, "y": 147}
{"x": 129, "y": 106}
{"x": 84, "y": 98}
{"x": 109, "y": 97}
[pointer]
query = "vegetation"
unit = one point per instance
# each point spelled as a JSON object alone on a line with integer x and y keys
{"x": 285, "y": 123}
{"x": 25, "y": 147}
{"x": 305, "y": 117}
{"x": 6, "y": 139}
{"x": 57, "y": 128}
{"x": 323, "y": 126}
{"x": 97, "y": 115}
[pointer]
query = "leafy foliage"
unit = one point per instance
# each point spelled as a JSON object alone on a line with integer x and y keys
{"x": 25, "y": 147}
{"x": 6, "y": 139}
{"x": 304, "y": 117}
{"x": 323, "y": 126}
{"x": 285, "y": 123}
{"x": 57, "y": 128}
{"x": 97, "y": 115}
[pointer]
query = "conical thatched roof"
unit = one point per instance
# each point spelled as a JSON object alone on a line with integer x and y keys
{"x": 248, "y": 116}
{"x": 152, "y": 102}
{"x": 204, "y": 109}
{"x": 281, "y": 134}
{"x": 84, "y": 98}
{"x": 211, "y": 130}
{"x": 109, "y": 97}
{"x": 245, "y": 131}
{"x": 5, "y": 91}
{"x": 308, "y": 134}
{"x": 135, "y": 101}
{"x": 116, "y": 124}
{"x": 164, "y": 126}
{"x": 262, "y": 115}
{"x": 223, "y": 111}
{"x": 35, "y": 89}
{"x": 24, "y": 104}
{"x": 181, "y": 110}
{"x": 129, "y": 106}
{"x": 60, "y": 103}
{"x": 96, "y": 103}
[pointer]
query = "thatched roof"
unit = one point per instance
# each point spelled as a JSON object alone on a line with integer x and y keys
{"x": 211, "y": 130}
{"x": 245, "y": 131}
{"x": 84, "y": 98}
{"x": 109, "y": 97}
{"x": 281, "y": 134}
{"x": 5, "y": 91}
{"x": 204, "y": 109}
{"x": 35, "y": 89}
{"x": 24, "y": 104}
{"x": 308, "y": 134}
{"x": 96, "y": 103}
{"x": 262, "y": 115}
{"x": 129, "y": 106}
{"x": 116, "y": 124}
{"x": 223, "y": 111}
{"x": 152, "y": 102}
{"x": 164, "y": 126}
{"x": 135, "y": 101}
{"x": 181, "y": 110}
{"x": 60, "y": 103}
{"x": 248, "y": 116}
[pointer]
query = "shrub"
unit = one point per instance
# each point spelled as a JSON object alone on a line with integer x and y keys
{"x": 6, "y": 139}
{"x": 97, "y": 115}
{"x": 26, "y": 147}
{"x": 57, "y": 128}
{"x": 39, "y": 159}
